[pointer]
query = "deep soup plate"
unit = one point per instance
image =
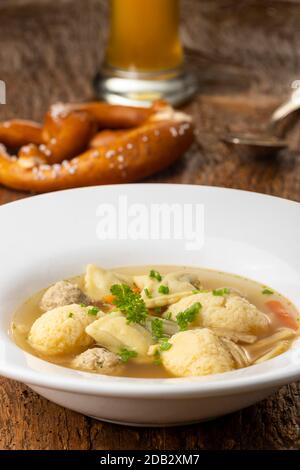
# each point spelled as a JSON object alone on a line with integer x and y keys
{"x": 51, "y": 237}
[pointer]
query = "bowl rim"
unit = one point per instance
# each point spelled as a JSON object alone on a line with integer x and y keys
{"x": 54, "y": 194}
{"x": 148, "y": 388}
{"x": 153, "y": 388}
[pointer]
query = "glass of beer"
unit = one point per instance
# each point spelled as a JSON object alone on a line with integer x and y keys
{"x": 144, "y": 59}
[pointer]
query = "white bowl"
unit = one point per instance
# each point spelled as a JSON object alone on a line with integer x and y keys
{"x": 50, "y": 237}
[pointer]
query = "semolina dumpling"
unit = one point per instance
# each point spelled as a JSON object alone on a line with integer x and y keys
{"x": 62, "y": 330}
{"x": 197, "y": 352}
{"x": 98, "y": 281}
{"x": 230, "y": 312}
{"x": 114, "y": 333}
{"x": 178, "y": 284}
{"x": 210, "y": 322}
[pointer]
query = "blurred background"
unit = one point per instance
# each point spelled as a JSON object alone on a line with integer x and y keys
{"x": 51, "y": 50}
{"x": 245, "y": 54}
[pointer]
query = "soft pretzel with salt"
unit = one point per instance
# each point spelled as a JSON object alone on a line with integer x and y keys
{"x": 91, "y": 144}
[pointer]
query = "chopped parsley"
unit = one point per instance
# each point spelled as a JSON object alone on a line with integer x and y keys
{"x": 155, "y": 275}
{"x": 196, "y": 291}
{"x": 169, "y": 316}
{"x": 157, "y": 327}
{"x": 164, "y": 344}
{"x": 148, "y": 293}
{"x": 163, "y": 289}
{"x": 71, "y": 314}
{"x": 221, "y": 292}
{"x": 130, "y": 303}
{"x": 188, "y": 316}
{"x": 126, "y": 354}
{"x": 93, "y": 311}
{"x": 157, "y": 309}
{"x": 267, "y": 291}
{"x": 157, "y": 362}
{"x": 82, "y": 305}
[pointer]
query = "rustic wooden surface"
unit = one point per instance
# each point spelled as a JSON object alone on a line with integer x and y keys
{"x": 246, "y": 55}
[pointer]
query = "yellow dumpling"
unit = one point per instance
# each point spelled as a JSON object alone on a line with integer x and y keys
{"x": 98, "y": 281}
{"x": 178, "y": 284}
{"x": 114, "y": 333}
{"x": 62, "y": 330}
{"x": 230, "y": 312}
{"x": 195, "y": 353}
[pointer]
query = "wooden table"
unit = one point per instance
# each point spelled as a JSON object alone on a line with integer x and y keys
{"x": 246, "y": 58}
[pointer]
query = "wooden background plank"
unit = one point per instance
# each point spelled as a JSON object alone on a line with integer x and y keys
{"x": 246, "y": 55}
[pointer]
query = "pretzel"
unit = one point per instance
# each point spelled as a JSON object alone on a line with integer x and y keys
{"x": 91, "y": 144}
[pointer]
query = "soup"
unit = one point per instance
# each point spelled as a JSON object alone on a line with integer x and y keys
{"x": 156, "y": 322}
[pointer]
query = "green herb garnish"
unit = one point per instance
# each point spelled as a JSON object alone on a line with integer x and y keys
{"x": 196, "y": 291}
{"x": 126, "y": 354}
{"x": 93, "y": 311}
{"x": 163, "y": 290}
{"x": 221, "y": 292}
{"x": 71, "y": 314}
{"x": 155, "y": 275}
{"x": 157, "y": 309}
{"x": 157, "y": 327}
{"x": 157, "y": 362}
{"x": 188, "y": 316}
{"x": 169, "y": 316}
{"x": 164, "y": 344}
{"x": 148, "y": 293}
{"x": 130, "y": 303}
{"x": 82, "y": 305}
{"x": 267, "y": 291}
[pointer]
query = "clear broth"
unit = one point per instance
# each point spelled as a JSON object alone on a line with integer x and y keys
{"x": 29, "y": 311}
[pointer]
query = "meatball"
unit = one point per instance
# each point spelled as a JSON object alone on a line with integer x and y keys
{"x": 195, "y": 353}
{"x": 230, "y": 312}
{"x": 60, "y": 294}
{"x": 62, "y": 330}
{"x": 97, "y": 360}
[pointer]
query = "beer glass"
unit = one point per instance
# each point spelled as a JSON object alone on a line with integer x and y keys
{"x": 144, "y": 58}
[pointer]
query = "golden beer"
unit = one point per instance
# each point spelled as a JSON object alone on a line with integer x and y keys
{"x": 144, "y": 60}
{"x": 144, "y": 36}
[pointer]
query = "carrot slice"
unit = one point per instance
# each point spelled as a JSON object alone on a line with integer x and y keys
{"x": 136, "y": 290}
{"x": 282, "y": 314}
{"x": 109, "y": 299}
